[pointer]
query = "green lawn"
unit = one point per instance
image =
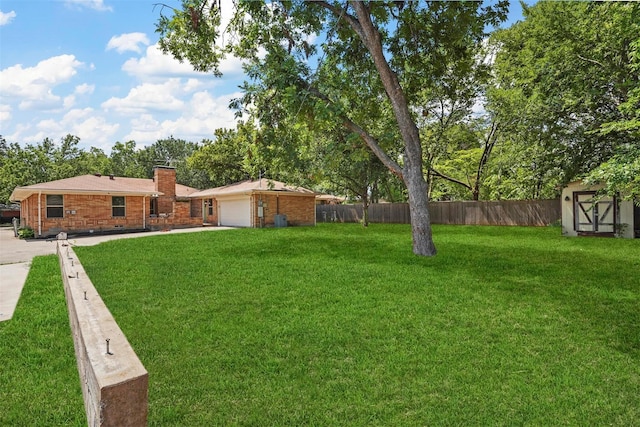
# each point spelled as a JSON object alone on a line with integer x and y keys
{"x": 39, "y": 383}
{"x": 340, "y": 325}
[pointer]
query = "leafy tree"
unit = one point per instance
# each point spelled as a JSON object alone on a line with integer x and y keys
{"x": 466, "y": 166}
{"x": 566, "y": 85}
{"x": 348, "y": 168}
{"x": 620, "y": 175}
{"x": 173, "y": 152}
{"x": 401, "y": 46}
{"x": 46, "y": 161}
{"x": 14, "y": 169}
{"x": 224, "y": 159}
{"x": 125, "y": 161}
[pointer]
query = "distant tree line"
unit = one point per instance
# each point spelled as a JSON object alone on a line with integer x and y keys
{"x": 49, "y": 161}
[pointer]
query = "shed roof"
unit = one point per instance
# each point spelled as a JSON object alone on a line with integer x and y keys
{"x": 263, "y": 185}
{"x": 98, "y": 185}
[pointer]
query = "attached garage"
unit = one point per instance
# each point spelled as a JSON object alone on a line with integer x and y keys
{"x": 234, "y": 212}
{"x": 259, "y": 203}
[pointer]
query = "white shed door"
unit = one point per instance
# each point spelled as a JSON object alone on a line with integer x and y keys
{"x": 235, "y": 213}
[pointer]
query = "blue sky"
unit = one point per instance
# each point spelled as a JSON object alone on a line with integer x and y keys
{"x": 92, "y": 68}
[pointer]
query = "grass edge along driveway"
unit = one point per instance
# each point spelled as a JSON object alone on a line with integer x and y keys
{"x": 340, "y": 325}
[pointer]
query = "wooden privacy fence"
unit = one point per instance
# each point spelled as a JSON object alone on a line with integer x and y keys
{"x": 503, "y": 212}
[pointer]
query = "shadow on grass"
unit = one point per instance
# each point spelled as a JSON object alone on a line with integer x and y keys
{"x": 298, "y": 326}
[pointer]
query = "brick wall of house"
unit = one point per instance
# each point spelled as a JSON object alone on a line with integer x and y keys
{"x": 83, "y": 213}
{"x": 196, "y": 208}
{"x": 182, "y": 215}
{"x": 165, "y": 182}
{"x": 300, "y": 210}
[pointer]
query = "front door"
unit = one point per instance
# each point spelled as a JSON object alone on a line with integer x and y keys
{"x": 207, "y": 210}
{"x": 593, "y": 215}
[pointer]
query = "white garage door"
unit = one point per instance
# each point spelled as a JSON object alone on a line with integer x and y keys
{"x": 235, "y": 213}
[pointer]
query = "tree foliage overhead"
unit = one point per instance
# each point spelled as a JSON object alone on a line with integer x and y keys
{"x": 567, "y": 85}
{"x": 620, "y": 175}
{"x": 334, "y": 64}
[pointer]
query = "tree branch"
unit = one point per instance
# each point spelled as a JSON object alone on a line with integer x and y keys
{"x": 340, "y": 12}
{"x": 593, "y": 61}
{"x": 371, "y": 142}
{"x": 489, "y": 143}
{"x": 449, "y": 178}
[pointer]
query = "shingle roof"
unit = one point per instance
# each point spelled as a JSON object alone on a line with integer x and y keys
{"x": 96, "y": 184}
{"x": 252, "y": 186}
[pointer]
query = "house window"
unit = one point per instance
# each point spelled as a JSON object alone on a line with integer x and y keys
{"x": 117, "y": 206}
{"x": 55, "y": 206}
{"x": 153, "y": 206}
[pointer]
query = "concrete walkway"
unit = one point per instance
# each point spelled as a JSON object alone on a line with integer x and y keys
{"x": 16, "y": 256}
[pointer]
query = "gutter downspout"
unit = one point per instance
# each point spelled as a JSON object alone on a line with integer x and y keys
{"x": 39, "y": 213}
{"x": 252, "y": 211}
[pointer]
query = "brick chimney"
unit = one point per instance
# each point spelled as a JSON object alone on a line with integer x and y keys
{"x": 164, "y": 178}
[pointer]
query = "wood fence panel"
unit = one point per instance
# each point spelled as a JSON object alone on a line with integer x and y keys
{"x": 503, "y": 212}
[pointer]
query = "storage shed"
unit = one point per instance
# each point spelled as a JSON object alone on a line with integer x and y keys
{"x": 258, "y": 203}
{"x": 586, "y": 213}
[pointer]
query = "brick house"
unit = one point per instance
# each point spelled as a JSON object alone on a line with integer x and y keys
{"x": 96, "y": 203}
{"x": 258, "y": 203}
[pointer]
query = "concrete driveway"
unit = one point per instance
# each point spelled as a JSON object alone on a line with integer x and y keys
{"x": 16, "y": 256}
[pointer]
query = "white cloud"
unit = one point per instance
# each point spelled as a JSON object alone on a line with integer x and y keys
{"x": 148, "y": 97}
{"x": 5, "y": 113}
{"x": 33, "y": 85}
{"x": 87, "y": 124}
{"x": 89, "y": 4}
{"x": 128, "y": 42}
{"x": 157, "y": 64}
{"x": 69, "y": 101}
{"x": 200, "y": 117}
{"x": 6, "y": 18}
{"x": 84, "y": 89}
{"x": 192, "y": 85}
{"x": 479, "y": 107}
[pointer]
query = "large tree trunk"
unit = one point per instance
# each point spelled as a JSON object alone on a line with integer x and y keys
{"x": 365, "y": 212}
{"x": 419, "y": 210}
{"x": 412, "y": 170}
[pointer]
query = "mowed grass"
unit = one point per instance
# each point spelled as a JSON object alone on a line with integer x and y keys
{"x": 341, "y": 325}
{"x": 39, "y": 383}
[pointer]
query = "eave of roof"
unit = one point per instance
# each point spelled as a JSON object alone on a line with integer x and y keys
{"x": 263, "y": 186}
{"x": 89, "y": 185}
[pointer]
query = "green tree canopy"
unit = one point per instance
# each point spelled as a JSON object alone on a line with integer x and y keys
{"x": 336, "y": 61}
{"x": 567, "y": 87}
{"x": 46, "y": 161}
